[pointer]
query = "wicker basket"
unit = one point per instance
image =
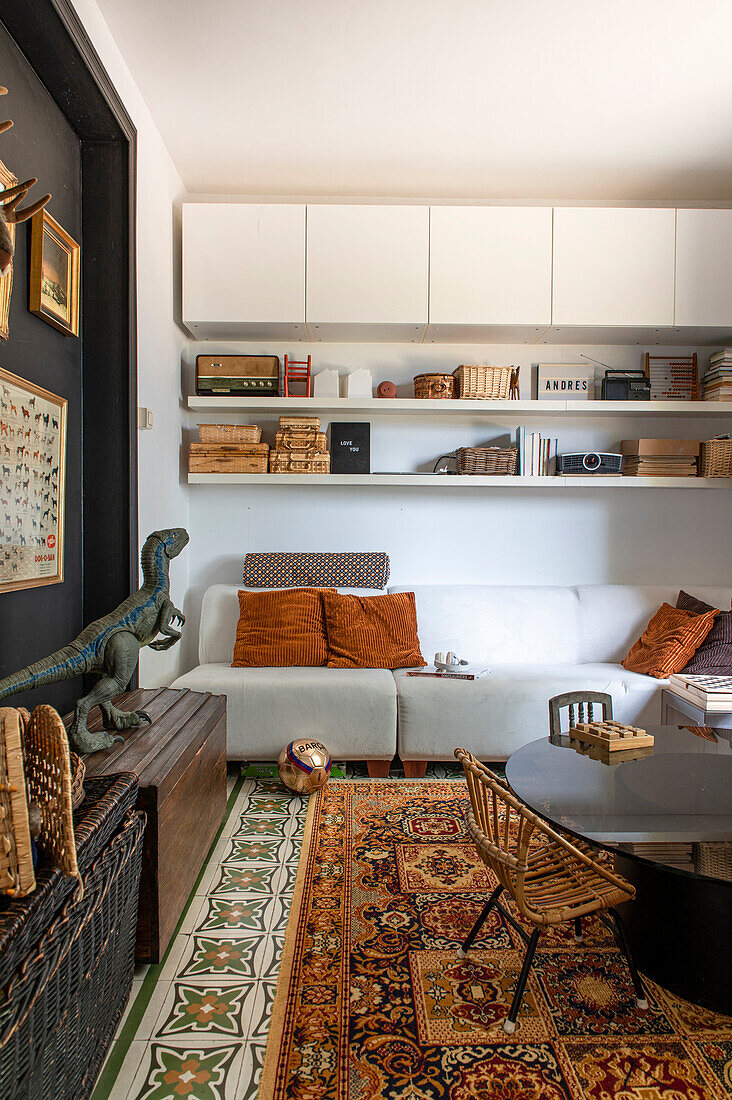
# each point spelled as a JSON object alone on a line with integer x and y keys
{"x": 486, "y": 460}
{"x": 716, "y": 458}
{"x": 436, "y": 387}
{"x": 250, "y": 459}
{"x": 300, "y": 422}
{"x": 295, "y": 462}
{"x": 48, "y": 770}
{"x": 229, "y": 433}
{"x": 487, "y": 383}
{"x": 713, "y": 859}
{"x": 78, "y": 772}
{"x": 301, "y": 439}
{"x": 16, "y": 860}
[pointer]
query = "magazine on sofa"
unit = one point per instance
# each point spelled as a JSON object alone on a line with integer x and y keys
{"x": 463, "y": 672}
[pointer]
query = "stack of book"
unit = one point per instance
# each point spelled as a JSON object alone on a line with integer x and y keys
{"x": 660, "y": 457}
{"x": 537, "y": 454}
{"x": 717, "y": 382}
{"x": 709, "y": 693}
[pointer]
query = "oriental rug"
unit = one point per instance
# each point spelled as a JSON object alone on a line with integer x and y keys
{"x": 372, "y": 1003}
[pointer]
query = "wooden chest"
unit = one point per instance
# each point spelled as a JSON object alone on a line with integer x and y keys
{"x": 181, "y": 763}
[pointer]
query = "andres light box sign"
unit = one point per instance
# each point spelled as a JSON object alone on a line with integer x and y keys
{"x": 568, "y": 380}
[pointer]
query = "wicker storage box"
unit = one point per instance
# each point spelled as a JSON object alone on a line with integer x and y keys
{"x": 300, "y": 422}
{"x": 486, "y": 460}
{"x": 58, "y": 1015}
{"x": 301, "y": 439}
{"x": 250, "y": 459}
{"x": 486, "y": 383}
{"x": 716, "y": 458}
{"x": 229, "y": 433}
{"x": 713, "y": 859}
{"x": 438, "y": 387}
{"x": 295, "y": 462}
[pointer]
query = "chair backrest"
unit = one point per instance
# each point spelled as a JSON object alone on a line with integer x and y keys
{"x": 499, "y": 824}
{"x": 584, "y": 702}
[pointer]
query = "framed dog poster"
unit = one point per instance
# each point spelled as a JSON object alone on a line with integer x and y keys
{"x": 32, "y": 470}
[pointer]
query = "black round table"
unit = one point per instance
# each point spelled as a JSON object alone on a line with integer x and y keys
{"x": 680, "y": 923}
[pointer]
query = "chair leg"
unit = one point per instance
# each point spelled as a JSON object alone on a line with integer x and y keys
{"x": 472, "y": 934}
{"x": 578, "y": 937}
{"x": 509, "y": 1024}
{"x": 622, "y": 938}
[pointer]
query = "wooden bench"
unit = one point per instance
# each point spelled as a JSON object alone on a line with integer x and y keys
{"x": 181, "y": 763}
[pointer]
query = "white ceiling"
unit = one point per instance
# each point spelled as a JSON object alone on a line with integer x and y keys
{"x": 466, "y": 99}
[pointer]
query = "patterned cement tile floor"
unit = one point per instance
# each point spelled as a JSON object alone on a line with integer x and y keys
{"x": 196, "y": 1024}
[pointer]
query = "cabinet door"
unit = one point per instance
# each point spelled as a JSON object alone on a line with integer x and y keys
{"x": 490, "y": 265}
{"x": 243, "y": 264}
{"x": 613, "y": 267}
{"x": 367, "y": 265}
{"x": 703, "y": 267}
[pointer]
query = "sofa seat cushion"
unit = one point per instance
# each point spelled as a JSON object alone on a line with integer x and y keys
{"x": 352, "y": 711}
{"x": 495, "y": 715}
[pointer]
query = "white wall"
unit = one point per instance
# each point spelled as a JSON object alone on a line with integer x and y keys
{"x": 465, "y": 535}
{"x": 163, "y": 499}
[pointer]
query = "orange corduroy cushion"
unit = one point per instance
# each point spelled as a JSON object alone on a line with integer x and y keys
{"x": 670, "y": 640}
{"x": 280, "y": 629}
{"x": 372, "y": 631}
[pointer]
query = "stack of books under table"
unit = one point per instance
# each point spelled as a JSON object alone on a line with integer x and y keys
{"x": 709, "y": 693}
{"x": 717, "y": 382}
{"x": 660, "y": 457}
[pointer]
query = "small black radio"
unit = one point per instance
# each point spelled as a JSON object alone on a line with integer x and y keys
{"x": 625, "y": 385}
{"x": 589, "y": 462}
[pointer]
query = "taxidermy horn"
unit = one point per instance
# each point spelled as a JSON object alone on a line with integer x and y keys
{"x": 9, "y": 213}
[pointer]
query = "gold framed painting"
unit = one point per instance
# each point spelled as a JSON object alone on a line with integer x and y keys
{"x": 32, "y": 484}
{"x": 54, "y": 274}
{"x": 7, "y": 179}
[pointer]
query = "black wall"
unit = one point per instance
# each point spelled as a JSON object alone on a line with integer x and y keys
{"x": 37, "y": 621}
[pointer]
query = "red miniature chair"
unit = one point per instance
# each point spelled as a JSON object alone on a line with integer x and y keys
{"x": 297, "y": 371}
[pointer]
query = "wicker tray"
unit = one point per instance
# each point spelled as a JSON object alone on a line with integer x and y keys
{"x": 300, "y": 422}
{"x": 716, "y": 458}
{"x": 435, "y": 387}
{"x": 486, "y": 460}
{"x": 306, "y": 440}
{"x": 294, "y": 462}
{"x": 229, "y": 433}
{"x": 486, "y": 383}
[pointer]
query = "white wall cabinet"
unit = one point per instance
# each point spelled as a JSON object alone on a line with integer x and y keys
{"x": 367, "y": 272}
{"x": 244, "y": 270}
{"x": 613, "y": 267}
{"x": 489, "y": 266}
{"x": 703, "y": 267}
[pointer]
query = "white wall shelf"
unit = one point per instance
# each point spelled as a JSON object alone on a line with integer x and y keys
{"x": 472, "y": 481}
{"x": 408, "y": 405}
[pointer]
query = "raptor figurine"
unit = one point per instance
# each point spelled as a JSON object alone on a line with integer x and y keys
{"x": 110, "y": 647}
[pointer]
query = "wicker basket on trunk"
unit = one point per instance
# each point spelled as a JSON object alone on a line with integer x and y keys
{"x": 486, "y": 460}
{"x": 486, "y": 383}
{"x": 716, "y": 458}
{"x": 229, "y": 433}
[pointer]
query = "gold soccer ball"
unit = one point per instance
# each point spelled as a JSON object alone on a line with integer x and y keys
{"x": 304, "y": 765}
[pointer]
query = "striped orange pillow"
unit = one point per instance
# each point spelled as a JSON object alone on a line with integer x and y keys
{"x": 372, "y": 631}
{"x": 280, "y": 629}
{"x": 670, "y": 640}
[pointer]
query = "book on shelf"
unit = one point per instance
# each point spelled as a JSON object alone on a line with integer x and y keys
{"x": 537, "y": 454}
{"x": 462, "y": 672}
{"x": 710, "y": 693}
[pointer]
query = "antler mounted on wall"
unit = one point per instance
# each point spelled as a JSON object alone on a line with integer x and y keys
{"x": 9, "y": 203}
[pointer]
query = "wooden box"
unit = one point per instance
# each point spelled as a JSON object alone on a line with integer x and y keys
{"x": 238, "y": 375}
{"x": 180, "y": 761}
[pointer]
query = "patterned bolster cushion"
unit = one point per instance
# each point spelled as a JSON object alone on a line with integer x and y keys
{"x": 319, "y": 570}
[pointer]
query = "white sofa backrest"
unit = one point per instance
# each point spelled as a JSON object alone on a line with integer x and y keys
{"x": 613, "y": 616}
{"x": 497, "y": 624}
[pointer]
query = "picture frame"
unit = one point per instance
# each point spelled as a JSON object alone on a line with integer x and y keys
{"x": 54, "y": 274}
{"x": 7, "y": 179}
{"x": 32, "y": 484}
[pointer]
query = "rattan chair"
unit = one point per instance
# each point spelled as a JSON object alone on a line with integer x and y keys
{"x": 582, "y": 700}
{"x": 550, "y": 879}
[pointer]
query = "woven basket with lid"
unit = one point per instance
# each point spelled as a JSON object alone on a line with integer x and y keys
{"x": 487, "y": 383}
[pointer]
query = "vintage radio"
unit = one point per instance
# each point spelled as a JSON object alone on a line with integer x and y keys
{"x": 626, "y": 385}
{"x": 238, "y": 375}
{"x": 589, "y": 462}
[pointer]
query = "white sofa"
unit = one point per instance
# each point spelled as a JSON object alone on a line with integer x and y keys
{"x": 537, "y": 641}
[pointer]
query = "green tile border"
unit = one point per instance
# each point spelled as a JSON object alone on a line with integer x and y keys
{"x": 121, "y": 1046}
